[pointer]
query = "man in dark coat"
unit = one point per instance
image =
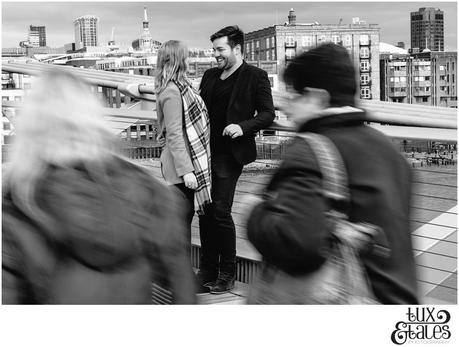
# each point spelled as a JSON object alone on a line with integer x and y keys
{"x": 233, "y": 93}
{"x": 289, "y": 226}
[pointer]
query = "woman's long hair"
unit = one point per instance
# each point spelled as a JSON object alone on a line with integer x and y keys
{"x": 171, "y": 64}
{"x": 59, "y": 124}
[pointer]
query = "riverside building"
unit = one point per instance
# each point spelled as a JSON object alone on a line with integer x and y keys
{"x": 275, "y": 46}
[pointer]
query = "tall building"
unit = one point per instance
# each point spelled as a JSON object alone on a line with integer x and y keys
{"x": 146, "y": 40}
{"x": 37, "y": 36}
{"x": 425, "y": 78}
{"x": 281, "y": 43}
{"x": 86, "y": 31}
{"x": 427, "y": 29}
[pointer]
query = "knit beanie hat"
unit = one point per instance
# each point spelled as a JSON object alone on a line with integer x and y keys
{"x": 328, "y": 67}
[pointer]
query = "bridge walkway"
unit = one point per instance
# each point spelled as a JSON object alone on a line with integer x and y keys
{"x": 434, "y": 235}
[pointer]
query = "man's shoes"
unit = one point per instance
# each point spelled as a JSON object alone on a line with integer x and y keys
{"x": 204, "y": 282}
{"x": 223, "y": 284}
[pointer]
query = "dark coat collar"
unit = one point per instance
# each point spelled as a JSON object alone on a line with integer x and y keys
{"x": 333, "y": 120}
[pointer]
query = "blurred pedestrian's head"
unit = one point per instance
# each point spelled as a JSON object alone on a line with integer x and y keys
{"x": 228, "y": 44}
{"x": 328, "y": 67}
{"x": 59, "y": 124}
{"x": 171, "y": 64}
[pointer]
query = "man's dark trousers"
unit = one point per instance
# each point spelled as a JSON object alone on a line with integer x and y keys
{"x": 218, "y": 234}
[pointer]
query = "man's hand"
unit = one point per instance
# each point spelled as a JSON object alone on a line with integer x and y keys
{"x": 233, "y": 130}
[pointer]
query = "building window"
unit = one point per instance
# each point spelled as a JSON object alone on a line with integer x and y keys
{"x": 322, "y": 38}
{"x": 364, "y": 40}
{"x": 364, "y": 79}
{"x": 442, "y": 68}
{"x": 365, "y": 66}
{"x": 425, "y": 99}
{"x": 336, "y": 39}
{"x": 402, "y": 79}
{"x": 267, "y": 55}
{"x": 365, "y": 52}
{"x": 290, "y": 40}
{"x": 267, "y": 42}
{"x": 348, "y": 40}
{"x": 273, "y": 54}
{"x": 257, "y": 44}
{"x": 289, "y": 53}
{"x": 365, "y": 93}
{"x": 248, "y": 47}
{"x": 307, "y": 41}
{"x": 272, "y": 42}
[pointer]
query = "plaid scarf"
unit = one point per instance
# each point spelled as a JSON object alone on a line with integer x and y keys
{"x": 198, "y": 132}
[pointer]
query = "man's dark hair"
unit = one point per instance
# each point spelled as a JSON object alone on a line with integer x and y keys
{"x": 328, "y": 67}
{"x": 234, "y": 34}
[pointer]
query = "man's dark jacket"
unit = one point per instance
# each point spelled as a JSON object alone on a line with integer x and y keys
{"x": 290, "y": 229}
{"x": 251, "y": 93}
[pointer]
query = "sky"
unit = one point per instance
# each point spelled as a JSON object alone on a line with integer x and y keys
{"x": 194, "y": 22}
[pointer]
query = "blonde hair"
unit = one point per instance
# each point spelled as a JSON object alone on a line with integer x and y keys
{"x": 60, "y": 124}
{"x": 171, "y": 64}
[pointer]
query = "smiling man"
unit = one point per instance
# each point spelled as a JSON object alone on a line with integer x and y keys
{"x": 233, "y": 92}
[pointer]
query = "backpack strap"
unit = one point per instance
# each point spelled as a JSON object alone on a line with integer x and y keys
{"x": 336, "y": 189}
{"x": 331, "y": 165}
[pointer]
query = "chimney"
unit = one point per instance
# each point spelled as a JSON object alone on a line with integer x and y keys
{"x": 291, "y": 17}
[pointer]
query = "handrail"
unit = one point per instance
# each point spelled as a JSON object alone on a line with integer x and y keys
{"x": 397, "y": 113}
{"x": 138, "y": 86}
{"x": 412, "y": 121}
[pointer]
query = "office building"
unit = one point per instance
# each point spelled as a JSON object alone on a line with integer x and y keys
{"x": 425, "y": 78}
{"x": 281, "y": 43}
{"x": 86, "y": 31}
{"x": 427, "y": 29}
{"x": 37, "y": 36}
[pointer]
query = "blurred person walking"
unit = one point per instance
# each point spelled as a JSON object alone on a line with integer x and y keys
{"x": 184, "y": 130}
{"x": 82, "y": 225}
{"x": 234, "y": 92}
{"x": 289, "y": 225}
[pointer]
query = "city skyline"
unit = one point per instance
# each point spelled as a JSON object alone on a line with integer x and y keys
{"x": 194, "y": 22}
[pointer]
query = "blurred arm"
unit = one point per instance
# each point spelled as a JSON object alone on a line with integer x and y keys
{"x": 14, "y": 283}
{"x": 289, "y": 227}
{"x": 169, "y": 237}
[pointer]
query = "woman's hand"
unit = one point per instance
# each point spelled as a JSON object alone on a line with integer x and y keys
{"x": 190, "y": 180}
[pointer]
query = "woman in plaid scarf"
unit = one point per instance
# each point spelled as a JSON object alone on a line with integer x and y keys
{"x": 184, "y": 128}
